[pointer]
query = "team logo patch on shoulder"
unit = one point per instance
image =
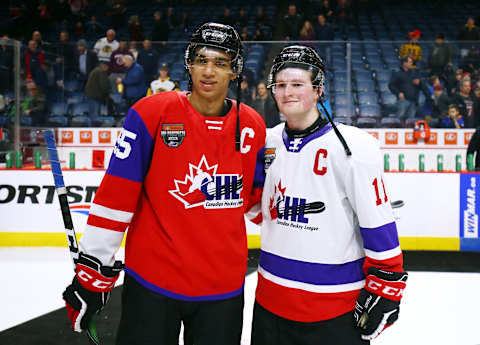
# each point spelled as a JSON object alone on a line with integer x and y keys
{"x": 173, "y": 134}
{"x": 269, "y": 156}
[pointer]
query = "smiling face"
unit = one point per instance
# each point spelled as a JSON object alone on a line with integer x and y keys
{"x": 211, "y": 73}
{"x": 294, "y": 93}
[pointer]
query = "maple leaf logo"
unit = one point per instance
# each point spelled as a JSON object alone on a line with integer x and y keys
{"x": 189, "y": 190}
{"x": 278, "y": 197}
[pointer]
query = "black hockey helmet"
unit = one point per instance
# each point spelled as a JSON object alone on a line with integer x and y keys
{"x": 219, "y": 36}
{"x": 299, "y": 57}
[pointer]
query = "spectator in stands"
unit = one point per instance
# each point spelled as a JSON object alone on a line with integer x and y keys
{"x": 412, "y": 48}
{"x": 464, "y": 100}
{"x": 61, "y": 14}
{"x": 265, "y": 106}
{"x": 32, "y": 105}
{"x": 226, "y": 18}
{"x": 439, "y": 102}
{"x": 246, "y": 91}
{"x": 117, "y": 66}
{"x": 343, "y": 16}
{"x": 85, "y": 62}
{"x": 453, "y": 119}
{"x": 78, "y": 8}
{"x": 93, "y": 29}
{"x": 163, "y": 83}
{"x": 406, "y": 85}
{"x": 43, "y": 16}
{"x": 46, "y": 80}
{"x": 97, "y": 89}
{"x": 323, "y": 30}
{"x": 440, "y": 56}
{"x": 135, "y": 29}
{"x": 242, "y": 18}
{"x": 33, "y": 59}
{"x": 468, "y": 34}
{"x": 476, "y": 100}
{"x": 327, "y": 10}
{"x": 307, "y": 33}
{"x": 244, "y": 34}
{"x": 258, "y": 36}
{"x": 119, "y": 8}
{"x": 79, "y": 31}
{"x": 261, "y": 18}
{"x": 65, "y": 51}
{"x": 171, "y": 19}
{"x": 148, "y": 59}
{"x": 291, "y": 23}
{"x": 134, "y": 81}
{"x": 471, "y": 62}
{"x": 160, "y": 28}
{"x": 105, "y": 46}
{"x": 6, "y": 64}
{"x": 186, "y": 22}
{"x": 37, "y": 37}
{"x": 132, "y": 48}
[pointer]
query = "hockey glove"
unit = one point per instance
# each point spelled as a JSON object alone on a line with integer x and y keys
{"x": 90, "y": 290}
{"x": 378, "y": 305}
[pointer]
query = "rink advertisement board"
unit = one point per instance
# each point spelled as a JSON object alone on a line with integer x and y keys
{"x": 433, "y": 211}
{"x": 469, "y": 211}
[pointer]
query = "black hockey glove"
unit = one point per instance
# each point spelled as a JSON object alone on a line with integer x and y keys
{"x": 378, "y": 305}
{"x": 90, "y": 290}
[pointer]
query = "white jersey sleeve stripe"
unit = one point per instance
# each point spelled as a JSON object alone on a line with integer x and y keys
{"x": 110, "y": 213}
{"x": 311, "y": 287}
{"x": 383, "y": 255}
{"x": 101, "y": 243}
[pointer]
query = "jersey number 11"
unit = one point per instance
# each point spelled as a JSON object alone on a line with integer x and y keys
{"x": 375, "y": 185}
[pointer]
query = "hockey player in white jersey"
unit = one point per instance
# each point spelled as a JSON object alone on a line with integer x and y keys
{"x": 330, "y": 268}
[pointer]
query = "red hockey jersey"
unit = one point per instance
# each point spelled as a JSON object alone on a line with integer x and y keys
{"x": 178, "y": 185}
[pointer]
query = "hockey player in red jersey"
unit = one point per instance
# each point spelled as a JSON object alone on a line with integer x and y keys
{"x": 180, "y": 179}
{"x": 330, "y": 268}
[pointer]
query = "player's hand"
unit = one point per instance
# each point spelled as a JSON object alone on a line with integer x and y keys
{"x": 90, "y": 290}
{"x": 378, "y": 305}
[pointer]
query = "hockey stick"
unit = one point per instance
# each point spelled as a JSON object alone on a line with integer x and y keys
{"x": 67, "y": 217}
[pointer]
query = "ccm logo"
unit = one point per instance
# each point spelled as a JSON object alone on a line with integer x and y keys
{"x": 384, "y": 289}
{"x": 97, "y": 283}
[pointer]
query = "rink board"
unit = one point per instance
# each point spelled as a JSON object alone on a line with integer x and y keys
{"x": 433, "y": 211}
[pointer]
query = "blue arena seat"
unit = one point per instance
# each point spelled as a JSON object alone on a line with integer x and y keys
{"x": 59, "y": 109}
{"x": 365, "y": 85}
{"x": 80, "y": 121}
{"x": 366, "y": 122}
{"x": 367, "y": 98}
{"x": 369, "y": 110}
{"x": 390, "y": 122}
{"x": 57, "y": 121}
{"x": 79, "y": 109}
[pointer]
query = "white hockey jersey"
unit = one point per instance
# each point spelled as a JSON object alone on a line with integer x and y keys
{"x": 326, "y": 219}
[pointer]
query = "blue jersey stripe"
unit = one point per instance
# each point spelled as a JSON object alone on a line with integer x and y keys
{"x": 134, "y": 165}
{"x": 259, "y": 176}
{"x": 381, "y": 238}
{"x": 178, "y": 296}
{"x": 312, "y": 273}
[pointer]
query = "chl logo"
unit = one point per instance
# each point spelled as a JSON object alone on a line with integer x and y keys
{"x": 291, "y": 208}
{"x": 202, "y": 186}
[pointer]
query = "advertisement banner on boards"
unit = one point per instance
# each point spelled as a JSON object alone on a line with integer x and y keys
{"x": 469, "y": 211}
{"x": 29, "y": 203}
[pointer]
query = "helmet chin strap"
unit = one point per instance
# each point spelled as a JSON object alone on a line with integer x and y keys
{"x": 337, "y": 132}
